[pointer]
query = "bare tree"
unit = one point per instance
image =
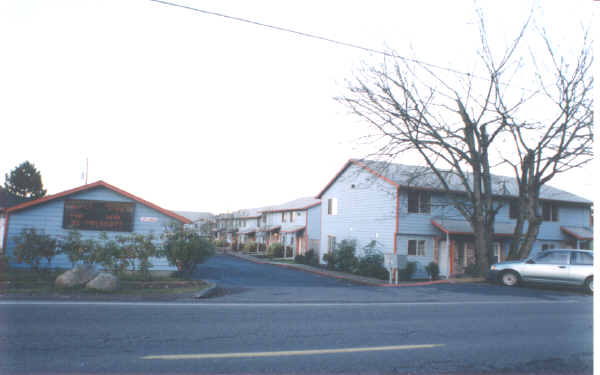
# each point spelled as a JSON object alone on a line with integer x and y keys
{"x": 459, "y": 125}
{"x": 563, "y": 140}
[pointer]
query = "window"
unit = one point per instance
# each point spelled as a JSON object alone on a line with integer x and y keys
{"x": 553, "y": 257}
{"x": 549, "y": 211}
{"x": 283, "y": 217}
{"x": 332, "y": 206}
{"x": 330, "y": 243}
{"x": 581, "y": 258}
{"x": 419, "y": 202}
{"x": 417, "y": 248}
{"x": 513, "y": 209}
{"x": 292, "y": 216}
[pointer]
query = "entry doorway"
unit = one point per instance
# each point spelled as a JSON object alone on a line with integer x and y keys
{"x": 443, "y": 261}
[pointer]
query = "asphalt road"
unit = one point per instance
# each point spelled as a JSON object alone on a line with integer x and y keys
{"x": 344, "y": 329}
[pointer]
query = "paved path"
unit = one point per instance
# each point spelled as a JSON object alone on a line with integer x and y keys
{"x": 245, "y": 281}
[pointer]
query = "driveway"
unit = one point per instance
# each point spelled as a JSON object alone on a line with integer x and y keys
{"x": 242, "y": 281}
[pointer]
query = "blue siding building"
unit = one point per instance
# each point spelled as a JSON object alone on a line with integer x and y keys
{"x": 47, "y": 214}
{"x": 406, "y": 212}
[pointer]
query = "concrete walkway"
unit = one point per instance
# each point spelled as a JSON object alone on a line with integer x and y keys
{"x": 350, "y": 277}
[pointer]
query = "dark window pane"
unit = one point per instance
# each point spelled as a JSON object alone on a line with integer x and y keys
{"x": 413, "y": 202}
{"x": 412, "y": 247}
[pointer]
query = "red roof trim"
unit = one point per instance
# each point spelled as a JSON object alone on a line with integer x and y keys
{"x": 96, "y": 185}
{"x": 359, "y": 164}
{"x": 571, "y": 233}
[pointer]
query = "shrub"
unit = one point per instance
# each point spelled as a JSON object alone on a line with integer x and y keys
{"x": 472, "y": 269}
{"x": 250, "y": 247}
{"x": 262, "y": 247}
{"x": 186, "y": 249}
{"x": 406, "y": 273}
{"x": 275, "y": 250}
{"x": 32, "y": 247}
{"x": 433, "y": 270}
{"x": 76, "y": 249}
{"x": 108, "y": 253}
{"x": 344, "y": 257}
{"x": 311, "y": 257}
{"x": 370, "y": 264}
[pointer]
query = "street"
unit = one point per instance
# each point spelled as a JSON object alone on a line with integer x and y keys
{"x": 330, "y": 328}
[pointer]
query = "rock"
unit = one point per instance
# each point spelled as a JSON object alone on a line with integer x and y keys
{"x": 104, "y": 281}
{"x": 79, "y": 275}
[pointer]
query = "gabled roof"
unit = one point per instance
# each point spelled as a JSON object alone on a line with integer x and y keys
{"x": 419, "y": 177}
{"x": 580, "y": 233}
{"x": 297, "y": 204}
{"x": 94, "y": 185}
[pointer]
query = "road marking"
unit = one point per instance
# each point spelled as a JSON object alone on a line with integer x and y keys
{"x": 286, "y": 304}
{"x": 289, "y": 352}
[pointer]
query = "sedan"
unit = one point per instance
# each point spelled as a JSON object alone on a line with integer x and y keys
{"x": 557, "y": 266}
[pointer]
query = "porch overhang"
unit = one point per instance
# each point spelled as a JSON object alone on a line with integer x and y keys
{"x": 271, "y": 228}
{"x": 579, "y": 233}
{"x": 293, "y": 229}
{"x": 463, "y": 227}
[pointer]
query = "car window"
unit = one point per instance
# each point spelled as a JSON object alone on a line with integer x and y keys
{"x": 553, "y": 257}
{"x": 579, "y": 257}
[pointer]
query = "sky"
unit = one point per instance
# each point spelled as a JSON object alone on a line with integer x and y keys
{"x": 196, "y": 112}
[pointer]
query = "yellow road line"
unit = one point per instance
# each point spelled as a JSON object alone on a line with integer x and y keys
{"x": 289, "y": 352}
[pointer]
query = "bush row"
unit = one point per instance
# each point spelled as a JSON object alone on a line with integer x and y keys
{"x": 182, "y": 248}
{"x": 370, "y": 264}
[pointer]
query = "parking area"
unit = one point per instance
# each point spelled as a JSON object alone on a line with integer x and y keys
{"x": 244, "y": 281}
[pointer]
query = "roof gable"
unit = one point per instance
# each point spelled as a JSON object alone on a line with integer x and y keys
{"x": 94, "y": 185}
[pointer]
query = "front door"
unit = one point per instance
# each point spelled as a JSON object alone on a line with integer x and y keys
{"x": 443, "y": 261}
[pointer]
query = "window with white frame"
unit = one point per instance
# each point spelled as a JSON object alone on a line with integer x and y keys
{"x": 283, "y": 217}
{"x": 292, "y": 216}
{"x": 548, "y": 246}
{"x": 549, "y": 211}
{"x": 417, "y": 248}
{"x": 332, "y": 206}
{"x": 419, "y": 202}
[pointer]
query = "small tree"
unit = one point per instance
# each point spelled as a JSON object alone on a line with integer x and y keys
{"x": 76, "y": 249}
{"x": 25, "y": 182}
{"x": 32, "y": 247}
{"x": 275, "y": 250}
{"x": 186, "y": 249}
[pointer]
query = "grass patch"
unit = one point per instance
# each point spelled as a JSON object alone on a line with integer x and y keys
{"x": 25, "y": 281}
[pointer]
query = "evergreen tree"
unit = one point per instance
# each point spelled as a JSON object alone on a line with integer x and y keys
{"x": 25, "y": 182}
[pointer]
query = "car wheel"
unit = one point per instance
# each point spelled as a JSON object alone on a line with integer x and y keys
{"x": 589, "y": 285}
{"x": 509, "y": 278}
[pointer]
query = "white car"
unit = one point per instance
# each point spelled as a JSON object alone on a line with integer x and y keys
{"x": 556, "y": 266}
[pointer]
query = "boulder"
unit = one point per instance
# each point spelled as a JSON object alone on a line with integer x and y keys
{"x": 104, "y": 281}
{"x": 78, "y": 276}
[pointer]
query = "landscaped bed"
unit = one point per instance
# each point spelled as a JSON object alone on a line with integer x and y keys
{"x": 22, "y": 283}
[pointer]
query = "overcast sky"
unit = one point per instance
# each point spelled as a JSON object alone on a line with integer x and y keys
{"x": 201, "y": 113}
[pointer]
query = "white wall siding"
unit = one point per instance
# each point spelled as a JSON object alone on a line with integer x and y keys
{"x": 49, "y": 218}
{"x": 366, "y": 211}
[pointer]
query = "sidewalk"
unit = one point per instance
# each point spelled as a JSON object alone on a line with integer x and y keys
{"x": 350, "y": 277}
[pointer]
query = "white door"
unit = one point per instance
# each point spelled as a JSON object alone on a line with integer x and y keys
{"x": 443, "y": 261}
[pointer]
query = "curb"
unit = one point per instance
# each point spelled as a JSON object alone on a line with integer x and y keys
{"x": 206, "y": 292}
{"x": 340, "y": 277}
